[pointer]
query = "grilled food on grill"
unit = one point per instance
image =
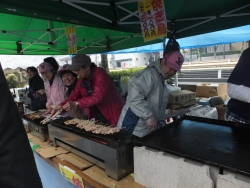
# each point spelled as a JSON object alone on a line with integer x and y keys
{"x": 74, "y": 121}
{"x": 33, "y": 116}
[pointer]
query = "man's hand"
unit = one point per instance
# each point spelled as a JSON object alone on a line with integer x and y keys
{"x": 70, "y": 105}
{"x": 151, "y": 123}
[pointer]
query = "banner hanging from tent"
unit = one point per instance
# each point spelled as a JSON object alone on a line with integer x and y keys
{"x": 153, "y": 19}
{"x": 71, "y": 39}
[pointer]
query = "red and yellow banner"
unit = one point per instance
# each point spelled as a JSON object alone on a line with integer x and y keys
{"x": 71, "y": 39}
{"x": 69, "y": 174}
{"x": 153, "y": 19}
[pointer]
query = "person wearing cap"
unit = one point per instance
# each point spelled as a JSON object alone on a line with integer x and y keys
{"x": 54, "y": 86}
{"x": 69, "y": 78}
{"x": 238, "y": 88}
{"x": 147, "y": 98}
{"x": 94, "y": 91}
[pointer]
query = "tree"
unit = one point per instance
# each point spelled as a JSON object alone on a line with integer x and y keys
{"x": 104, "y": 62}
{"x": 12, "y": 80}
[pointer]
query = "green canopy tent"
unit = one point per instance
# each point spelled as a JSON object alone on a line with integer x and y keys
{"x": 37, "y": 27}
{"x": 31, "y": 36}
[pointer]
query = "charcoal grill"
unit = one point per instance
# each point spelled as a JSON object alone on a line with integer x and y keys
{"x": 215, "y": 142}
{"x": 114, "y": 153}
{"x": 36, "y": 128}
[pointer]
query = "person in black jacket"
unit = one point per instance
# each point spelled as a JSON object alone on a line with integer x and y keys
{"x": 36, "y": 90}
{"x": 17, "y": 163}
{"x": 238, "y": 88}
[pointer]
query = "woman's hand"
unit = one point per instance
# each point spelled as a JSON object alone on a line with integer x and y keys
{"x": 41, "y": 91}
{"x": 36, "y": 94}
{"x": 27, "y": 94}
{"x": 55, "y": 108}
{"x": 47, "y": 112}
{"x": 70, "y": 105}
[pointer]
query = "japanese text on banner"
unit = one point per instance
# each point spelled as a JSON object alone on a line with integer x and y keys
{"x": 153, "y": 19}
{"x": 71, "y": 39}
{"x": 74, "y": 179}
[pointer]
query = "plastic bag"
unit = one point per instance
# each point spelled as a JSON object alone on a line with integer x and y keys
{"x": 124, "y": 84}
{"x": 205, "y": 112}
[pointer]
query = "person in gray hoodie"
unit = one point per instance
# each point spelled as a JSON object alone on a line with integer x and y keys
{"x": 147, "y": 98}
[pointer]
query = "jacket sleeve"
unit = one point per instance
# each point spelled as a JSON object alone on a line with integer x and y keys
{"x": 61, "y": 90}
{"x": 139, "y": 87}
{"x": 40, "y": 84}
{"x": 75, "y": 94}
{"x": 30, "y": 95}
{"x": 47, "y": 90}
{"x": 100, "y": 90}
{"x": 239, "y": 92}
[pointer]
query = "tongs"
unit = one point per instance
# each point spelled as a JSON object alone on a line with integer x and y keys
{"x": 46, "y": 120}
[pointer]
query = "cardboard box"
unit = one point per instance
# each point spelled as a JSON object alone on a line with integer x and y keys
{"x": 188, "y": 87}
{"x": 221, "y": 110}
{"x": 207, "y": 90}
{"x": 179, "y": 99}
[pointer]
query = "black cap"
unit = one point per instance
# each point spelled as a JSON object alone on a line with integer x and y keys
{"x": 172, "y": 45}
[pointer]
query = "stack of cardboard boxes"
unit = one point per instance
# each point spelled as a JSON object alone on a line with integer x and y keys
{"x": 187, "y": 97}
{"x": 180, "y": 99}
{"x": 208, "y": 90}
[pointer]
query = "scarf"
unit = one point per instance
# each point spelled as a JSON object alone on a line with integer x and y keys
{"x": 52, "y": 79}
{"x": 70, "y": 88}
{"x": 88, "y": 82}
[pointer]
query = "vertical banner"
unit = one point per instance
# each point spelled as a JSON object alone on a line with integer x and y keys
{"x": 153, "y": 19}
{"x": 71, "y": 39}
{"x": 74, "y": 180}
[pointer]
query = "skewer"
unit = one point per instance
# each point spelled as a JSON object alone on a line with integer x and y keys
{"x": 45, "y": 120}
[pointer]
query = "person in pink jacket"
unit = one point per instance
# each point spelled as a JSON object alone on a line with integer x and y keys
{"x": 54, "y": 87}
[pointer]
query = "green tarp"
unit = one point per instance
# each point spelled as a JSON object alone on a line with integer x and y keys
{"x": 37, "y": 27}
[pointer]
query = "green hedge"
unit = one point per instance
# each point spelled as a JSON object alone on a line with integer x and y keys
{"x": 116, "y": 75}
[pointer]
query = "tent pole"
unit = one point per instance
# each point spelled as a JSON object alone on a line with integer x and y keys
{"x": 87, "y": 11}
{"x": 190, "y": 55}
{"x": 236, "y": 9}
{"x": 33, "y": 42}
{"x": 128, "y": 11}
{"x": 125, "y": 2}
{"x": 196, "y": 25}
{"x": 123, "y": 23}
{"x": 164, "y": 43}
{"x": 90, "y": 2}
{"x": 231, "y": 15}
{"x": 129, "y": 15}
{"x": 223, "y": 51}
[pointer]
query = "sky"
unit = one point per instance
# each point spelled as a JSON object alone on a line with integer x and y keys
{"x": 24, "y": 61}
